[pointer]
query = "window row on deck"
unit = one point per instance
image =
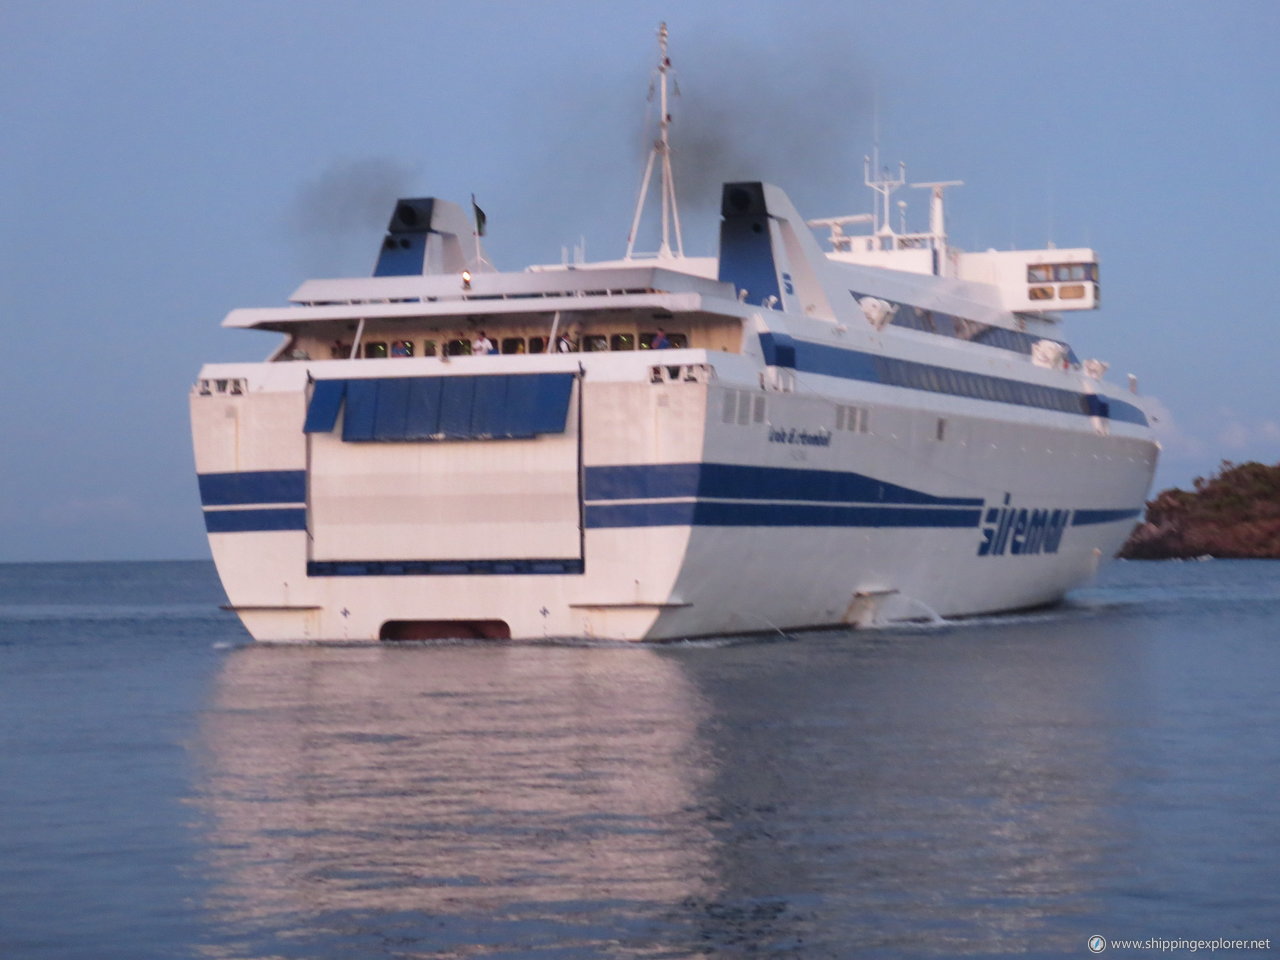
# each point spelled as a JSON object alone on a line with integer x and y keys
{"x": 466, "y": 346}
{"x": 962, "y": 383}
{"x": 961, "y": 328}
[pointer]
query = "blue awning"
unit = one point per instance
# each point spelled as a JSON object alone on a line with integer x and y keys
{"x": 326, "y": 401}
{"x": 498, "y": 406}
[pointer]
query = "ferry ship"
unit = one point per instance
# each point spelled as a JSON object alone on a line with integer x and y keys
{"x": 781, "y": 436}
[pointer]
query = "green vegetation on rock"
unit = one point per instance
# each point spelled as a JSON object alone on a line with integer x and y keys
{"x": 1235, "y": 513}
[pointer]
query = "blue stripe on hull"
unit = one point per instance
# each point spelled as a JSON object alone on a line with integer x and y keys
{"x": 244, "y": 521}
{"x": 671, "y": 481}
{"x": 253, "y": 486}
{"x": 853, "y": 500}
{"x": 441, "y": 568}
{"x": 703, "y": 513}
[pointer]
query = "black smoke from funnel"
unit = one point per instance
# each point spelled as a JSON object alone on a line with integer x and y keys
{"x": 801, "y": 122}
{"x": 338, "y": 218}
{"x": 796, "y": 112}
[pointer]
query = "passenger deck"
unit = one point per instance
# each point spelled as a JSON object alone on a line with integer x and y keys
{"x": 508, "y": 336}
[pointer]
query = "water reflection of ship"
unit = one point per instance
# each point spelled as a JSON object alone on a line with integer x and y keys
{"x": 358, "y": 783}
{"x": 827, "y": 794}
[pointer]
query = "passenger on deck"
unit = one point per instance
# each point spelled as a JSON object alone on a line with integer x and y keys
{"x": 660, "y": 341}
{"x": 564, "y": 344}
{"x": 482, "y": 345}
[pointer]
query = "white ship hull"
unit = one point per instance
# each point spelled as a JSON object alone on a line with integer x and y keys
{"x": 656, "y": 514}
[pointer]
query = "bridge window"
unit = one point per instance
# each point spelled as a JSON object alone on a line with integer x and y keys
{"x": 1071, "y": 291}
{"x": 428, "y": 348}
{"x": 1059, "y": 273}
{"x": 458, "y": 348}
{"x": 375, "y": 349}
{"x": 1072, "y": 271}
{"x": 537, "y": 344}
{"x": 594, "y": 343}
{"x": 513, "y": 345}
{"x": 622, "y": 341}
{"x": 402, "y": 348}
{"x": 1040, "y": 293}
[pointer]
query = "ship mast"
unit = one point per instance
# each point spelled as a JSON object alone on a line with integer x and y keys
{"x": 661, "y": 149}
{"x": 882, "y": 227}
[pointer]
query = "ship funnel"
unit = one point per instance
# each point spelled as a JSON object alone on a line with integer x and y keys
{"x": 427, "y": 235}
{"x": 768, "y": 253}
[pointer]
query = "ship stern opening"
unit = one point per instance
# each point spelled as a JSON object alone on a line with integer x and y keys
{"x": 393, "y": 630}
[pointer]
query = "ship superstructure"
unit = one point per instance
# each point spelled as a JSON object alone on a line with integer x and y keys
{"x": 650, "y": 448}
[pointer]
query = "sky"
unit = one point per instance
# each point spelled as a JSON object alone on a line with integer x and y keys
{"x": 165, "y": 163}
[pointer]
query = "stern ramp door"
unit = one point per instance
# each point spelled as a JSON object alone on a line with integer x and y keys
{"x": 446, "y": 468}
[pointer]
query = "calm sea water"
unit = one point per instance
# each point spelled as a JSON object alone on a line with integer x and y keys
{"x": 1000, "y": 787}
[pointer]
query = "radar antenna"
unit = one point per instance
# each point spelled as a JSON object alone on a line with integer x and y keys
{"x": 661, "y": 148}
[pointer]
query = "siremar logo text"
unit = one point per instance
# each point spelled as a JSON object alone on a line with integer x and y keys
{"x": 1021, "y": 531}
